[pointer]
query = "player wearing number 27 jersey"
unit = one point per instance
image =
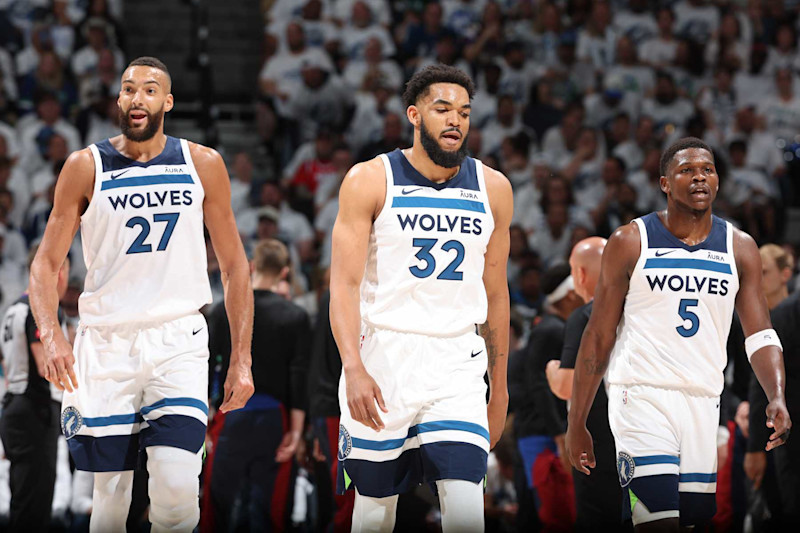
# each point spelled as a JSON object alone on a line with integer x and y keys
{"x": 418, "y": 271}
{"x": 136, "y": 381}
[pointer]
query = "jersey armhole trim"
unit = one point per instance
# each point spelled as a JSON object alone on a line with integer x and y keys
{"x": 643, "y": 245}
{"x": 389, "y": 177}
{"x": 482, "y": 185}
{"x": 187, "y": 157}
{"x": 729, "y": 243}
{"x": 98, "y": 178}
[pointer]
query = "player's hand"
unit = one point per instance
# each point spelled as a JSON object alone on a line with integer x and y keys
{"x": 755, "y": 464}
{"x": 580, "y": 448}
{"x": 288, "y": 446}
{"x": 562, "y": 452}
{"x": 551, "y": 370}
{"x": 778, "y": 419}
{"x": 496, "y": 412}
{"x": 363, "y": 394}
{"x": 238, "y": 387}
{"x": 58, "y": 365}
{"x": 742, "y": 418}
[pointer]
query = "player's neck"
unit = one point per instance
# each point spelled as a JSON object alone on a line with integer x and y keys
{"x": 689, "y": 226}
{"x": 140, "y": 151}
{"x": 264, "y": 282}
{"x": 424, "y": 165}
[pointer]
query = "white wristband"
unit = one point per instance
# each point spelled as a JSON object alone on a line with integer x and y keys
{"x": 756, "y": 341}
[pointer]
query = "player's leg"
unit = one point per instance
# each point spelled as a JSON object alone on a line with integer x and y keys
{"x": 461, "y": 503}
{"x": 374, "y": 514}
{"x": 381, "y": 465}
{"x": 453, "y": 429}
{"x": 173, "y": 487}
{"x": 646, "y": 425}
{"x": 111, "y": 501}
{"x": 698, "y": 469}
{"x": 174, "y": 407}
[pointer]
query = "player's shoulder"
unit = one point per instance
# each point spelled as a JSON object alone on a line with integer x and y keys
{"x": 496, "y": 181}
{"x": 203, "y": 155}
{"x": 623, "y": 247}
{"x": 365, "y": 180}
{"x": 80, "y": 160}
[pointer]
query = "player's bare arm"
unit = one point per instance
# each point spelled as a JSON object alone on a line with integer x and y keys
{"x": 559, "y": 379}
{"x": 495, "y": 330}
{"x": 219, "y": 220}
{"x": 619, "y": 260}
{"x": 767, "y": 361}
{"x": 72, "y": 195}
{"x": 360, "y": 201}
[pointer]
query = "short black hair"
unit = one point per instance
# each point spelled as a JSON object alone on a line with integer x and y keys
{"x": 677, "y": 146}
{"x": 417, "y": 87}
{"x": 148, "y": 61}
{"x": 553, "y": 277}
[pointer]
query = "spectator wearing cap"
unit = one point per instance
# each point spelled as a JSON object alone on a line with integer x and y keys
{"x": 322, "y": 101}
{"x": 99, "y": 36}
{"x": 540, "y": 417}
{"x": 659, "y": 51}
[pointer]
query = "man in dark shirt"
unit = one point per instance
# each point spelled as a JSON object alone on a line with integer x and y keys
{"x": 30, "y": 423}
{"x": 540, "y": 419}
{"x": 598, "y": 497}
{"x": 253, "y": 457}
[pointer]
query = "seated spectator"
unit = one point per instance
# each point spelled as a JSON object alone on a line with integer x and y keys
{"x": 751, "y": 195}
{"x": 507, "y": 123}
{"x": 752, "y": 84}
{"x": 380, "y": 11}
{"x": 100, "y": 121}
{"x": 99, "y": 36}
{"x": 597, "y": 40}
{"x": 312, "y": 163}
{"x": 552, "y": 237}
{"x": 646, "y": 183}
{"x": 527, "y": 299}
{"x": 518, "y": 74}
{"x": 36, "y": 132}
{"x": 659, "y": 51}
{"x": 696, "y": 19}
{"x": 518, "y": 251}
{"x": 628, "y": 74}
{"x": 242, "y": 183}
{"x": 484, "y": 103}
{"x": 103, "y": 83}
{"x": 373, "y": 68}
{"x": 41, "y": 40}
{"x": 559, "y": 140}
{"x": 63, "y": 30}
{"x": 18, "y": 186}
{"x": 49, "y": 76}
{"x": 462, "y": 17}
{"x": 361, "y": 28}
{"x": 718, "y": 103}
{"x": 328, "y": 205}
{"x": 637, "y": 22}
{"x": 582, "y": 166}
{"x": 8, "y": 84}
{"x": 54, "y": 156}
{"x": 572, "y": 76}
{"x": 14, "y": 248}
{"x": 320, "y": 32}
{"x": 762, "y": 151}
{"x": 783, "y": 56}
{"x": 728, "y": 48}
{"x": 12, "y": 277}
{"x": 421, "y": 38}
{"x": 371, "y": 109}
{"x": 547, "y": 32}
{"x": 666, "y": 107}
{"x": 446, "y": 52}
{"x": 544, "y": 110}
{"x": 781, "y": 112}
{"x": 391, "y": 138}
{"x": 515, "y": 159}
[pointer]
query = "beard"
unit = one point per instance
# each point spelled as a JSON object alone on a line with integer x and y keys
{"x": 440, "y": 156}
{"x": 153, "y": 125}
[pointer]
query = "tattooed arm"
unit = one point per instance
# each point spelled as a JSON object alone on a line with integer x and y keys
{"x": 619, "y": 259}
{"x": 495, "y": 330}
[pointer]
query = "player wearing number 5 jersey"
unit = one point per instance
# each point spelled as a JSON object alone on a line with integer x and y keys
{"x": 663, "y": 306}
{"x": 136, "y": 386}
{"x": 418, "y": 268}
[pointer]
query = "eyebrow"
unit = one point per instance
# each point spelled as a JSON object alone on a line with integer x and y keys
{"x": 145, "y": 83}
{"x": 440, "y": 101}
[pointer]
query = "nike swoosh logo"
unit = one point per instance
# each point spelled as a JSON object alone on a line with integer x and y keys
{"x": 665, "y": 253}
{"x": 473, "y": 354}
{"x": 196, "y": 332}
{"x": 118, "y": 174}
{"x": 409, "y": 191}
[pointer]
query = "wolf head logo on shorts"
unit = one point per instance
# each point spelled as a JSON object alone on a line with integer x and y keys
{"x": 625, "y": 466}
{"x": 71, "y": 422}
{"x": 345, "y": 443}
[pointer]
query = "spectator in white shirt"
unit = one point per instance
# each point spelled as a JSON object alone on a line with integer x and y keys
{"x": 99, "y": 37}
{"x": 666, "y": 107}
{"x": 628, "y": 74}
{"x": 753, "y": 84}
{"x": 597, "y": 40}
{"x": 727, "y": 47}
{"x": 636, "y": 22}
{"x": 660, "y": 51}
{"x": 40, "y": 40}
{"x": 362, "y": 28}
{"x": 36, "y": 133}
{"x": 696, "y": 19}
{"x": 781, "y": 113}
{"x": 784, "y": 54}
{"x": 507, "y": 122}
{"x": 361, "y": 74}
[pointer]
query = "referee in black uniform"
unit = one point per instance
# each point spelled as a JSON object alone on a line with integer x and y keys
{"x": 252, "y": 472}
{"x": 30, "y": 424}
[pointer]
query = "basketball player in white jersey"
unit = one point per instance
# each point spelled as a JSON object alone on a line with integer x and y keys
{"x": 668, "y": 286}
{"x": 137, "y": 381}
{"x": 419, "y": 263}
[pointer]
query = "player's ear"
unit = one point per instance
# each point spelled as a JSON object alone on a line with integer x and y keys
{"x": 663, "y": 182}
{"x": 413, "y": 115}
{"x": 169, "y": 103}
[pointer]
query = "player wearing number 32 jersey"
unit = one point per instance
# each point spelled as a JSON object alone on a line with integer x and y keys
{"x": 136, "y": 382}
{"x": 668, "y": 287}
{"x": 420, "y": 311}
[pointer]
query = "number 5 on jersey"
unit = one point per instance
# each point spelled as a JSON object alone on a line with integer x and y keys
{"x": 694, "y": 320}
{"x": 139, "y": 245}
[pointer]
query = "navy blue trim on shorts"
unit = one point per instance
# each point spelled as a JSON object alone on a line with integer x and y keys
{"x": 427, "y": 464}
{"x": 658, "y": 493}
{"x": 177, "y": 431}
{"x": 647, "y": 460}
{"x": 425, "y": 427}
{"x": 114, "y": 453}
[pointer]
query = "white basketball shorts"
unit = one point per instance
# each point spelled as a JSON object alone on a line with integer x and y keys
{"x": 666, "y": 444}
{"x": 139, "y": 385}
{"x": 436, "y": 427}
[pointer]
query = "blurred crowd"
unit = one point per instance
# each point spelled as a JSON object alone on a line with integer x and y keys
{"x": 575, "y": 101}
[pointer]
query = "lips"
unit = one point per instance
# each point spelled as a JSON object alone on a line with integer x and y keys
{"x": 452, "y": 135}
{"x": 700, "y": 191}
{"x": 137, "y": 116}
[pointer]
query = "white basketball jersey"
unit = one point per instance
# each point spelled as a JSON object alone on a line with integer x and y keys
{"x": 424, "y": 271}
{"x": 678, "y": 311}
{"x": 143, "y": 238}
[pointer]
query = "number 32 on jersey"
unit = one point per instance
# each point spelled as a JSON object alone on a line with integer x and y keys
{"x": 426, "y": 246}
